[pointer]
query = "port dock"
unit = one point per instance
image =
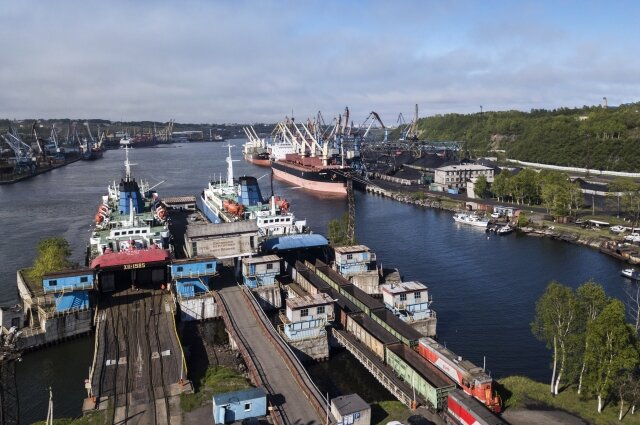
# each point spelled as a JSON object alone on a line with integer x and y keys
{"x": 138, "y": 369}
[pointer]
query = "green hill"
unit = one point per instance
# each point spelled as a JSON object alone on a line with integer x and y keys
{"x": 591, "y": 136}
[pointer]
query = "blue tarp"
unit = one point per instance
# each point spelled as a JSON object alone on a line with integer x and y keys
{"x": 190, "y": 287}
{"x": 295, "y": 241}
{"x": 73, "y": 300}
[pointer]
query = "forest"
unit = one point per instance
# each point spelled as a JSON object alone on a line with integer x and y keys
{"x": 596, "y": 137}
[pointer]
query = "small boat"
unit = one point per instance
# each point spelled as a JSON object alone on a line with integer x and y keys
{"x": 470, "y": 219}
{"x": 631, "y": 274}
{"x": 504, "y": 230}
{"x": 633, "y": 238}
{"x": 617, "y": 229}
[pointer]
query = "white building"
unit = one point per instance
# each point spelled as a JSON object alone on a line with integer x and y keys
{"x": 456, "y": 176}
{"x": 409, "y": 300}
{"x": 351, "y": 409}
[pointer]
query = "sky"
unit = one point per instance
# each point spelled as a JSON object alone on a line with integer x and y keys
{"x": 243, "y": 61}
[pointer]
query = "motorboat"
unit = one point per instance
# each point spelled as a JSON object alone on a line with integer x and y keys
{"x": 470, "y": 219}
{"x": 631, "y": 274}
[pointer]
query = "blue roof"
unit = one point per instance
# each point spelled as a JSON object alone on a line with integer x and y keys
{"x": 79, "y": 300}
{"x": 295, "y": 241}
{"x": 191, "y": 287}
{"x": 238, "y": 396}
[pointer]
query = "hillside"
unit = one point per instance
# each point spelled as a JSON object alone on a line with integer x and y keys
{"x": 592, "y": 137}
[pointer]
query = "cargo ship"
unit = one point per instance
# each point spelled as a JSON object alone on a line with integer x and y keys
{"x": 255, "y": 150}
{"x": 312, "y": 165}
{"x": 131, "y": 243}
{"x": 241, "y": 199}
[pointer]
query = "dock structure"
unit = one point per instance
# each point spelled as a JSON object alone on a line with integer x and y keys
{"x": 272, "y": 364}
{"x": 385, "y": 375}
{"x": 138, "y": 365}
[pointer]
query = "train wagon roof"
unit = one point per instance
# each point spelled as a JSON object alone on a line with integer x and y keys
{"x": 342, "y": 301}
{"x": 366, "y": 299}
{"x": 332, "y": 274}
{"x": 421, "y": 365}
{"x": 398, "y": 325}
{"x": 482, "y": 415}
{"x": 374, "y": 328}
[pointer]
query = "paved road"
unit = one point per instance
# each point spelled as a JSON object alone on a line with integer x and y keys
{"x": 285, "y": 391}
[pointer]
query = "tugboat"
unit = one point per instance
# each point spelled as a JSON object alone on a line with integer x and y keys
{"x": 131, "y": 243}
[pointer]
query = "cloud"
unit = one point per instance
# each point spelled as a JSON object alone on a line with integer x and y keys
{"x": 243, "y": 61}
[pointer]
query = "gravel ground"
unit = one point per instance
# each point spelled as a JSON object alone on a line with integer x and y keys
{"x": 540, "y": 417}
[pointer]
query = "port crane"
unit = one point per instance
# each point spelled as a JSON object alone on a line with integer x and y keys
{"x": 24, "y": 159}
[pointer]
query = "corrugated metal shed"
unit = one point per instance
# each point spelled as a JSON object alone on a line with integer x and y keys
{"x": 350, "y": 403}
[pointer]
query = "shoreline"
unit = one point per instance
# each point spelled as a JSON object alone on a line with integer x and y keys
{"x": 606, "y": 245}
{"x": 38, "y": 172}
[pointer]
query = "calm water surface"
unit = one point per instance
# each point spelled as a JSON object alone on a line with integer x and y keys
{"x": 484, "y": 288}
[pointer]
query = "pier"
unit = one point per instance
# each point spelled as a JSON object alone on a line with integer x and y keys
{"x": 293, "y": 397}
{"x": 138, "y": 368}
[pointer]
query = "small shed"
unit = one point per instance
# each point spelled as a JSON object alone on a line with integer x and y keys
{"x": 239, "y": 405}
{"x": 410, "y": 296}
{"x": 309, "y": 307}
{"x": 68, "y": 280}
{"x": 351, "y": 409}
{"x": 260, "y": 271}
{"x": 353, "y": 259}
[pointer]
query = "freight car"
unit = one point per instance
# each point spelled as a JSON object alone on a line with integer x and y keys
{"x": 370, "y": 333}
{"x": 471, "y": 378}
{"x": 462, "y": 409}
{"x": 427, "y": 380}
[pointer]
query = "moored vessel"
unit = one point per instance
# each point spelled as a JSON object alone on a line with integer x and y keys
{"x": 131, "y": 242}
{"x": 470, "y": 219}
{"x": 632, "y": 274}
{"x": 256, "y": 150}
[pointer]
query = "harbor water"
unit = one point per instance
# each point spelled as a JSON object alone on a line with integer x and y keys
{"x": 484, "y": 287}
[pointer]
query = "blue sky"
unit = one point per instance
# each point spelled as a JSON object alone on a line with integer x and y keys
{"x": 257, "y": 61}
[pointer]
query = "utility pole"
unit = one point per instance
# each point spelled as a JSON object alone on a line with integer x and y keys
{"x": 8, "y": 390}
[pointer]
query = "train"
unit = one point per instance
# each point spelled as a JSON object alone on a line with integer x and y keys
{"x": 420, "y": 361}
{"x": 471, "y": 378}
{"x": 463, "y": 409}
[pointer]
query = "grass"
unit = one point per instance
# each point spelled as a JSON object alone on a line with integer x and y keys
{"x": 389, "y": 410}
{"x": 521, "y": 392}
{"x": 218, "y": 379}
{"x": 94, "y": 418}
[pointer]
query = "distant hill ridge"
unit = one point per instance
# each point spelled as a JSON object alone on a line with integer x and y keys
{"x": 589, "y": 137}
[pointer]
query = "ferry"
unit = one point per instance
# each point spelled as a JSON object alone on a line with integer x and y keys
{"x": 237, "y": 200}
{"x": 470, "y": 219}
{"x": 131, "y": 242}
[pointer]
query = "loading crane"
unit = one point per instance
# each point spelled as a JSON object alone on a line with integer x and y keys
{"x": 24, "y": 159}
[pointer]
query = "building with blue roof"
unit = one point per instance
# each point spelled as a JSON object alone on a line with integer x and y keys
{"x": 239, "y": 405}
{"x": 191, "y": 288}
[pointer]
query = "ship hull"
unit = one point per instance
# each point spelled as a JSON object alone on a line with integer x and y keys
{"x": 258, "y": 161}
{"x": 322, "y": 180}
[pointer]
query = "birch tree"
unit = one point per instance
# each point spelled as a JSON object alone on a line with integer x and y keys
{"x": 556, "y": 324}
{"x": 612, "y": 350}
{"x": 633, "y": 304}
{"x": 591, "y": 301}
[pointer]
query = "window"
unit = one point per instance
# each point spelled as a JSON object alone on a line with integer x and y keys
{"x": 320, "y": 310}
{"x": 304, "y": 312}
{"x": 179, "y": 269}
{"x": 269, "y": 266}
{"x": 209, "y": 265}
{"x": 417, "y": 295}
{"x": 116, "y": 233}
{"x": 138, "y": 232}
{"x": 84, "y": 279}
{"x": 403, "y": 297}
{"x": 349, "y": 256}
{"x": 247, "y": 407}
{"x": 53, "y": 282}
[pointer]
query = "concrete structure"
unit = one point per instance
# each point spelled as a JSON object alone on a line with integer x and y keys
{"x": 351, "y": 409}
{"x": 351, "y": 260}
{"x": 411, "y": 303}
{"x": 358, "y": 264}
{"x": 304, "y": 324}
{"x": 191, "y": 288}
{"x": 222, "y": 240}
{"x": 456, "y": 176}
{"x": 239, "y": 405}
{"x": 260, "y": 271}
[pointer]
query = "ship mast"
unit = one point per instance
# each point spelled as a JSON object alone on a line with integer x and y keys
{"x": 229, "y": 168}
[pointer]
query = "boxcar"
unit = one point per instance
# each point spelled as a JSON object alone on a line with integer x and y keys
{"x": 360, "y": 298}
{"x": 427, "y": 380}
{"x": 370, "y": 333}
{"x": 466, "y": 410}
{"x": 401, "y": 330}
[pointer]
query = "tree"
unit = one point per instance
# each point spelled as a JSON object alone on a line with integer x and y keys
{"x": 633, "y": 304}
{"x": 629, "y": 195}
{"x": 53, "y": 255}
{"x": 591, "y": 301}
{"x": 612, "y": 351}
{"x": 337, "y": 231}
{"x": 481, "y": 186}
{"x": 556, "y": 324}
{"x": 500, "y": 185}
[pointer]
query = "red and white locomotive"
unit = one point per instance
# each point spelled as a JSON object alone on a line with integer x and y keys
{"x": 466, "y": 410}
{"x": 472, "y": 379}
